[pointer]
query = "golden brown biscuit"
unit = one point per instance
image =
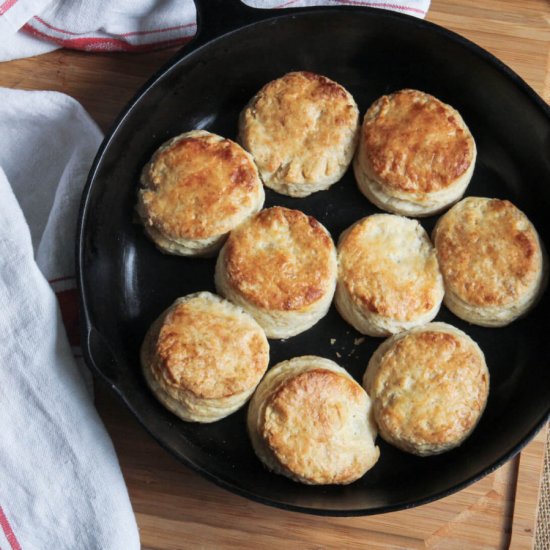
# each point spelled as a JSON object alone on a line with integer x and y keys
{"x": 491, "y": 260}
{"x": 203, "y": 357}
{"x": 415, "y": 156}
{"x": 388, "y": 275}
{"x": 280, "y": 266}
{"x": 310, "y": 421}
{"x": 428, "y": 387}
{"x": 197, "y": 187}
{"x": 302, "y": 131}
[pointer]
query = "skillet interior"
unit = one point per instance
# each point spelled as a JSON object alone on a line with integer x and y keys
{"x": 125, "y": 282}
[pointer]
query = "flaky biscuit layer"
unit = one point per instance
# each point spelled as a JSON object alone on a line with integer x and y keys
{"x": 310, "y": 421}
{"x": 429, "y": 388}
{"x": 281, "y": 267}
{"x": 491, "y": 259}
{"x": 302, "y": 130}
{"x": 415, "y": 156}
{"x": 203, "y": 357}
{"x": 388, "y": 275}
{"x": 197, "y": 187}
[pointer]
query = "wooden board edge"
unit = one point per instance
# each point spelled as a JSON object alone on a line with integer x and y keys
{"x": 524, "y": 519}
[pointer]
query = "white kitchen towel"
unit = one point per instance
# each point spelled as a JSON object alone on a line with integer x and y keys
{"x": 32, "y": 27}
{"x": 60, "y": 481}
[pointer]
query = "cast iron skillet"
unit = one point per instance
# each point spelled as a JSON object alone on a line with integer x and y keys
{"x": 125, "y": 282}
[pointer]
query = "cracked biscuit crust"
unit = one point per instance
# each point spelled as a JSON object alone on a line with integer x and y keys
{"x": 302, "y": 130}
{"x": 491, "y": 260}
{"x": 388, "y": 275}
{"x": 416, "y": 155}
{"x": 196, "y": 188}
{"x": 204, "y": 356}
{"x": 333, "y": 443}
{"x": 280, "y": 266}
{"x": 281, "y": 259}
{"x": 429, "y": 387}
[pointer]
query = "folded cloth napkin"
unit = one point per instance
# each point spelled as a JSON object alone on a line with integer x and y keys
{"x": 60, "y": 482}
{"x": 32, "y": 27}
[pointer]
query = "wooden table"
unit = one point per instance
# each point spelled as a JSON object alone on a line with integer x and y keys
{"x": 176, "y": 508}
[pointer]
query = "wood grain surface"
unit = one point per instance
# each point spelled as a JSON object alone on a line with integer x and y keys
{"x": 177, "y": 509}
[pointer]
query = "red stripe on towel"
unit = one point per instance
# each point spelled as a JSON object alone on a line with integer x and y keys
{"x": 167, "y": 29}
{"x": 98, "y": 44}
{"x": 385, "y": 6}
{"x": 68, "y": 304}
{"x": 8, "y": 531}
{"x": 285, "y": 4}
{"x": 68, "y": 277}
{"x": 5, "y": 6}
{"x": 135, "y": 33}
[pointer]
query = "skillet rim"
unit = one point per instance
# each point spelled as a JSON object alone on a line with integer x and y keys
{"x": 204, "y": 40}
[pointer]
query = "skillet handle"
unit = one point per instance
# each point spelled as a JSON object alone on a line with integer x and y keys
{"x": 218, "y": 17}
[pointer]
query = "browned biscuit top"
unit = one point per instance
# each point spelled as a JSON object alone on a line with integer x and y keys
{"x": 314, "y": 425}
{"x": 297, "y": 125}
{"x": 415, "y": 143}
{"x": 198, "y": 186}
{"x": 389, "y": 267}
{"x": 430, "y": 388}
{"x": 210, "y": 349}
{"x": 281, "y": 259}
{"x": 488, "y": 251}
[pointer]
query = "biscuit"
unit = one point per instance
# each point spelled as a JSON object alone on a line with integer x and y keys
{"x": 203, "y": 357}
{"x": 310, "y": 421}
{"x": 428, "y": 387}
{"x": 280, "y": 266}
{"x": 491, "y": 260}
{"x": 388, "y": 275}
{"x": 415, "y": 156}
{"x": 302, "y": 131}
{"x": 196, "y": 188}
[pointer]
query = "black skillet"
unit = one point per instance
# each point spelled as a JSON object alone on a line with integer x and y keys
{"x": 125, "y": 282}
